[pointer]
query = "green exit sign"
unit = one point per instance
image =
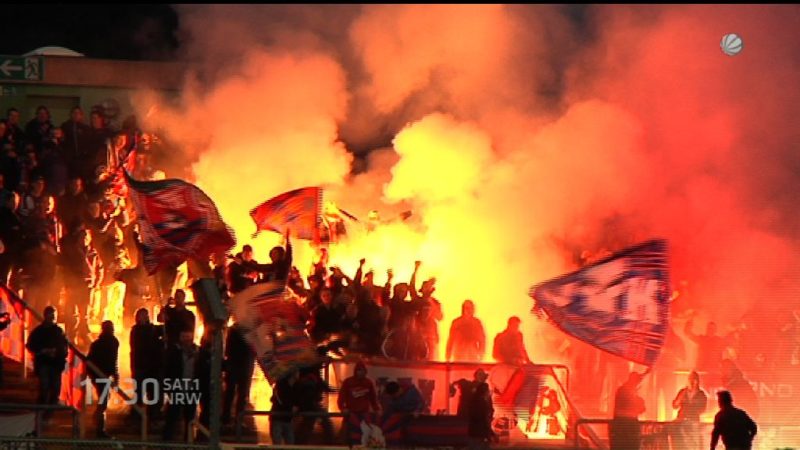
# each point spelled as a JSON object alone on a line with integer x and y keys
{"x": 23, "y": 68}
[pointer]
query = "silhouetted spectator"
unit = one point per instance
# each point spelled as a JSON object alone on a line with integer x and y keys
{"x": 14, "y": 136}
{"x": 99, "y": 136}
{"x": 284, "y": 405}
{"x": 480, "y": 415}
{"x": 401, "y": 309}
{"x": 239, "y": 273}
{"x": 82, "y": 272}
{"x": 509, "y": 346}
{"x": 239, "y": 365}
{"x": 467, "y": 389}
{"x": 180, "y": 364}
{"x": 327, "y": 318}
{"x": 147, "y": 349}
{"x": 38, "y": 130}
{"x": 735, "y": 427}
{"x": 402, "y": 399}
{"x": 76, "y": 140}
{"x": 203, "y": 376}
{"x": 710, "y": 347}
{"x": 310, "y": 390}
{"x": 70, "y": 207}
{"x": 280, "y": 265}
{"x": 35, "y": 197}
{"x": 104, "y": 353}
{"x": 466, "y": 340}
{"x": 429, "y": 312}
{"x": 38, "y": 257}
{"x": 690, "y": 402}
{"x": 10, "y": 232}
{"x": 49, "y": 347}
{"x": 624, "y": 430}
{"x": 734, "y": 381}
{"x": 53, "y": 166}
{"x": 177, "y": 318}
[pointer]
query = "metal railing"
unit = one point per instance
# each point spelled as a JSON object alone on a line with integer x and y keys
{"x": 30, "y": 312}
{"x": 252, "y": 412}
{"x": 39, "y": 410}
{"x": 21, "y": 443}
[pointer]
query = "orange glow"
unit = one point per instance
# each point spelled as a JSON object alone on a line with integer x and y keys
{"x": 518, "y": 138}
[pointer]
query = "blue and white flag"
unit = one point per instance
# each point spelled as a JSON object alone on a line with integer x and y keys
{"x": 619, "y": 304}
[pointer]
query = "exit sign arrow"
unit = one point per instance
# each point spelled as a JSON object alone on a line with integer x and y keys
{"x": 7, "y": 67}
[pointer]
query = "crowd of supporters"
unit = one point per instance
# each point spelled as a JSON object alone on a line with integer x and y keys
{"x": 67, "y": 235}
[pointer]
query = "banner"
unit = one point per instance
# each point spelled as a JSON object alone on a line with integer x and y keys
{"x": 619, "y": 304}
{"x": 434, "y": 382}
{"x": 274, "y": 326}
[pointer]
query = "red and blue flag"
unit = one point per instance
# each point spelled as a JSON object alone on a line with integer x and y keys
{"x": 177, "y": 221}
{"x": 619, "y": 304}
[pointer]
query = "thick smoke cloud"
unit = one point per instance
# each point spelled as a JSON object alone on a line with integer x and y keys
{"x": 520, "y": 136}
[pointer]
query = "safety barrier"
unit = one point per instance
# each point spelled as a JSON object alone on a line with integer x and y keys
{"x": 14, "y": 443}
{"x": 39, "y": 410}
{"x": 77, "y": 364}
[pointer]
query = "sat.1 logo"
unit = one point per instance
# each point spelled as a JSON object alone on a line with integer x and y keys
{"x": 731, "y": 44}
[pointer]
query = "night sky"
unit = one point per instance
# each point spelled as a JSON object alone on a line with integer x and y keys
{"x": 98, "y": 31}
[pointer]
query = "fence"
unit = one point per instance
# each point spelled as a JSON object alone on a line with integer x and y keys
{"x": 14, "y": 443}
{"x": 659, "y": 435}
{"x": 39, "y": 410}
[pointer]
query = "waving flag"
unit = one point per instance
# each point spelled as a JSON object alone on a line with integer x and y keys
{"x": 298, "y": 210}
{"x": 274, "y": 326}
{"x": 619, "y": 304}
{"x": 177, "y": 221}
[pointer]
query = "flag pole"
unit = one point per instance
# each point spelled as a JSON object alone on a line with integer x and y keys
{"x": 215, "y": 389}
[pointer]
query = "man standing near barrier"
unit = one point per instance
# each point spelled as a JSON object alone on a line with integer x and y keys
{"x": 48, "y": 344}
{"x": 104, "y": 353}
{"x": 735, "y": 427}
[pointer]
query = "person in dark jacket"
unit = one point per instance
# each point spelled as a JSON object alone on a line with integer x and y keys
{"x": 240, "y": 274}
{"x": 82, "y": 272}
{"x": 480, "y": 415}
{"x": 177, "y": 318}
{"x": 281, "y": 263}
{"x": 147, "y": 348}
{"x": 71, "y": 205}
{"x": 467, "y": 389}
{"x": 284, "y": 405}
{"x": 76, "y": 136}
{"x": 624, "y": 430}
{"x": 467, "y": 340}
{"x": 203, "y": 376}
{"x": 310, "y": 391}
{"x": 327, "y": 318}
{"x": 104, "y": 353}
{"x": 735, "y": 427}
{"x": 38, "y": 130}
{"x": 690, "y": 402}
{"x": 240, "y": 360}
{"x": 10, "y": 230}
{"x": 179, "y": 369}
{"x": 49, "y": 346}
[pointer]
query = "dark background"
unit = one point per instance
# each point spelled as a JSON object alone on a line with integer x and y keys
{"x": 133, "y": 32}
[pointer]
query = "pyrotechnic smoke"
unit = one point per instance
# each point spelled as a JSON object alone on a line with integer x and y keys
{"x": 519, "y": 136}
